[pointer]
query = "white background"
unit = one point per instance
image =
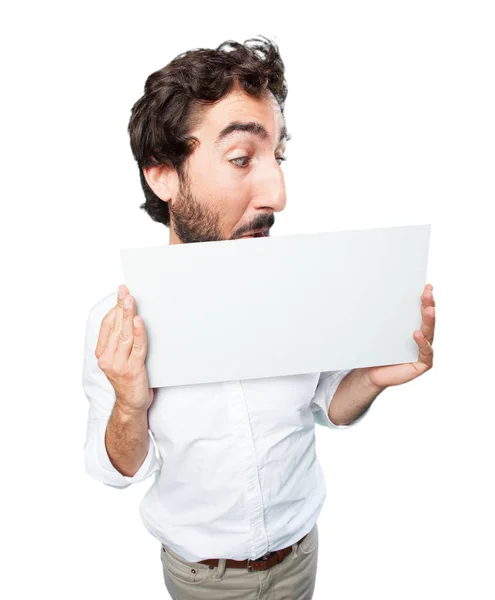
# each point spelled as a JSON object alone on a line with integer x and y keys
{"x": 391, "y": 111}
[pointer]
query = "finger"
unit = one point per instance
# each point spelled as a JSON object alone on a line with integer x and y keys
{"x": 427, "y": 298}
{"x": 113, "y": 337}
{"x": 105, "y": 326}
{"x": 425, "y": 354}
{"x": 140, "y": 343}
{"x": 125, "y": 339}
{"x": 428, "y": 323}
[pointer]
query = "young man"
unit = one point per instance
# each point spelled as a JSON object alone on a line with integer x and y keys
{"x": 238, "y": 487}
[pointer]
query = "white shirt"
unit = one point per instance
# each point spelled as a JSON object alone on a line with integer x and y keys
{"x": 236, "y": 475}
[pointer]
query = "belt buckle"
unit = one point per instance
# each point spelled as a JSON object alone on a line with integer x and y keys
{"x": 263, "y": 558}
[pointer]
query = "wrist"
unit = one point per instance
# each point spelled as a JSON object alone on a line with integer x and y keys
{"x": 368, "y": 383}
{"x": 127, "y": 412}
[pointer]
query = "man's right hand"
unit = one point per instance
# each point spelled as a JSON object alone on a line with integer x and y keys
{"x": 121, "y": 352}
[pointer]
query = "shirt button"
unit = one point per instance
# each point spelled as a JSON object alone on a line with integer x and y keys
{"x": 251, "y": 486}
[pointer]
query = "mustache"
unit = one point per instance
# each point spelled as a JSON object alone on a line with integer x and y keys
{"x": 262, "y": 222}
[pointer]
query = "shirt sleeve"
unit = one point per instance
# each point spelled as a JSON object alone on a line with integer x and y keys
{"x": 101, "y": 396}
{"x": 327, "y": 385}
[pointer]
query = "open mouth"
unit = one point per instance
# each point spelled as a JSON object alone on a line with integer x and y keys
{"x": 257, "y": 234}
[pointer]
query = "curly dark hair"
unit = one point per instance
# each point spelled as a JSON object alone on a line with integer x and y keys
{"x": 176, "y": 96}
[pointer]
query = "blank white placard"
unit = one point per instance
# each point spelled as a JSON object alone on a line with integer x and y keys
{"x": 266, "y": 307}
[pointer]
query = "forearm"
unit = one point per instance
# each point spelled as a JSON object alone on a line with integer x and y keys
{"x": 127, "y": 439}
{"x": 354, "y": 395}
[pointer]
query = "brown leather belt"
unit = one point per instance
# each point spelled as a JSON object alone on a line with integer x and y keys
{"x": 259, "y": 564}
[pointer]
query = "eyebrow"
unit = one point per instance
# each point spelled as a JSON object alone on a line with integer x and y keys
{"x": 252, "y": 127}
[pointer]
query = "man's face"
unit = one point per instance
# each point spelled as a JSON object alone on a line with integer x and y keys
{"x": 234, "y": 181}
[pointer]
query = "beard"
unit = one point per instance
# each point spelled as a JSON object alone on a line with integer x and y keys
{"x": 193, "y": 221}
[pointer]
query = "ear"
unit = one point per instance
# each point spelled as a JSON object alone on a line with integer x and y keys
{"x": 163, "y": 180}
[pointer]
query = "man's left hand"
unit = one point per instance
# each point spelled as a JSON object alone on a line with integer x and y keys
{"x": 382, "y": 377}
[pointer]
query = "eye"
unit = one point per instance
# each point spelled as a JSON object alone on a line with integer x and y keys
{"x": 240, "y": 158}
{"x": 247, "y": 159}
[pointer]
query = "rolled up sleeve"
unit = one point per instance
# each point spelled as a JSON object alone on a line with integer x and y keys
{"x": 327, "y": 386}
{"x": 101, "y": 396}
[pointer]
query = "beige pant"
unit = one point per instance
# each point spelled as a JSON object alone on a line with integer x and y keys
{"x": 292, "y": 579}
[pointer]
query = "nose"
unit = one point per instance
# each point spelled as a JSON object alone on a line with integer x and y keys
{"x": 272, "y": 193}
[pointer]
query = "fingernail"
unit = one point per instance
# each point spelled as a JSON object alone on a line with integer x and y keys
{"x": 120, "y": 292}
{"x": 127, "y": 302}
